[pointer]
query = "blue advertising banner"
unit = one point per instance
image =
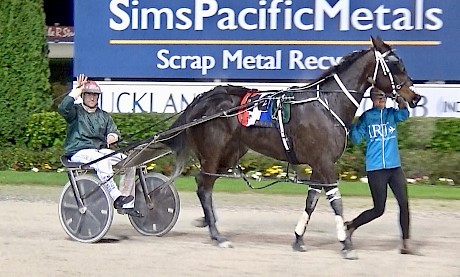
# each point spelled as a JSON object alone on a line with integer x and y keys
{"x": 259, "y": 39}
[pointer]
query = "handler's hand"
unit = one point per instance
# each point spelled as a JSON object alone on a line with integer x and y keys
{"x": 401, "y": 102}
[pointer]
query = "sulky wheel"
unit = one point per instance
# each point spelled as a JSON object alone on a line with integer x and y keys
{"x": 161, "y": 218}
{"x": 90, "y": 222}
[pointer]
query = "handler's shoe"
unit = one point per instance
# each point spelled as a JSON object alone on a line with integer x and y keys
{"x": 349, "y": 230}
{"x": 129, "y": 211}
{"x": 407, "y": 248}
{"x": 121, "y": 200}
{"x": 348, "y": 252}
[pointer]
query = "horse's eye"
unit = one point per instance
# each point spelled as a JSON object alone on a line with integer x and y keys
{"x": 401, "y": 65}
{"x": 395, "y": 62}
{"x": 396, "y": 66}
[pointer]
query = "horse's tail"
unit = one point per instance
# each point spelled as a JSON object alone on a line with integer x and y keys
{"x": 178, "y": 144}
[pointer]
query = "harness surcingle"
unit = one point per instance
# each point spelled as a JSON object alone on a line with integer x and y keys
{"x": 270, "y": 110}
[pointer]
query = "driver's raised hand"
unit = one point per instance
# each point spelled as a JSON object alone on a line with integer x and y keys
{"x": 81, "y": 81}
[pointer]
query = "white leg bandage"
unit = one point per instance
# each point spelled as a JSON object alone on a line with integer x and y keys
{"x": 341, "y": 235}
{"x": 333, "y": 194}
{"x": 302, "y": 224}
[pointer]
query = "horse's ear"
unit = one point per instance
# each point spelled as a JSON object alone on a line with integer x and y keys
{"x": 379, "y": 44}
{"x": 377, "y": 41}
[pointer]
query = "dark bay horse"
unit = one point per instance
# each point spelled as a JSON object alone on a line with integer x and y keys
{"x": 316, "y": 133}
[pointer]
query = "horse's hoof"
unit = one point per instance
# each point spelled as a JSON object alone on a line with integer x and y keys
{"x": 200, "y": 222}
{"x": 349, "y": 255}
{"x": 225, "y": 244}
{"x": 299, "y": 247}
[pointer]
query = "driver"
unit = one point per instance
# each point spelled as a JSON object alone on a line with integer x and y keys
{"x": 90, "y": 132}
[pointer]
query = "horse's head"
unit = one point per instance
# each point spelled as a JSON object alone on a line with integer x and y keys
{"x": 390, "y": 74}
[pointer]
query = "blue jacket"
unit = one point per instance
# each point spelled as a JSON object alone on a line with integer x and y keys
{"x": 379, "y": 129}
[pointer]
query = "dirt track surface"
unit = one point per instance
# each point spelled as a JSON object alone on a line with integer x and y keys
{"x": 32, "y": 242}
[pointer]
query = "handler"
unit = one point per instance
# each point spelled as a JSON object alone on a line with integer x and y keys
{"x": 90, "y": 132}
{"x": 383, "y": 165}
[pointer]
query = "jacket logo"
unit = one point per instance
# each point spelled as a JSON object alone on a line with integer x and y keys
{"x": 380, "y": 130}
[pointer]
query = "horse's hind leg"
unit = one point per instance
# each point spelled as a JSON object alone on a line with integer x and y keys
{"x": 310, "y": 204}
{"x": 205, "y": 185}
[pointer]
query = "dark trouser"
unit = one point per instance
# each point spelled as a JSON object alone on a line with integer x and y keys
{"x": 378, "y": 181}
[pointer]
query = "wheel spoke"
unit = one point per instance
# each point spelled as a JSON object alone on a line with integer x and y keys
{"x": 96, "y": 220}
{"x": 101, "y": 199}
{"x": 79, "y": 223}
{"x": 71, "y": 206}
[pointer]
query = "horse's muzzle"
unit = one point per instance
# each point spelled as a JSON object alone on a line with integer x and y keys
{"x": 413, "y": 103}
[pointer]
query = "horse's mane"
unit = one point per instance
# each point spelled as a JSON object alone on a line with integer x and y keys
{"x": 229, "y": 89}
{"x": 344, "y": 63}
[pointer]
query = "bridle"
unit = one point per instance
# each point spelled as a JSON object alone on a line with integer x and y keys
{"x": 382, "y": 61}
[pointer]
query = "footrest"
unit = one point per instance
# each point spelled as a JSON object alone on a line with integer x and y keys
{"x": 129, "y": 211}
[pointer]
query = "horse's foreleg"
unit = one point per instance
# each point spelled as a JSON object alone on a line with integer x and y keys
{"x": 205, "y": 195}
{"x": 310, "y": 204}
{"x": 335, "y": 200}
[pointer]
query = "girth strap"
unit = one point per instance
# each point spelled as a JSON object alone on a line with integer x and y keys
{"x": 288, "y": 147}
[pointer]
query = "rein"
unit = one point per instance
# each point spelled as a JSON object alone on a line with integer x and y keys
{"x": 380, "y": 62}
